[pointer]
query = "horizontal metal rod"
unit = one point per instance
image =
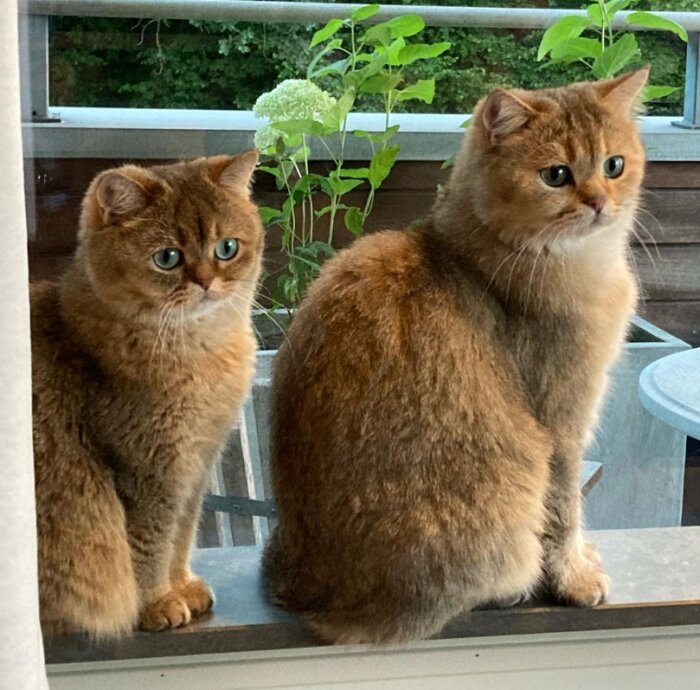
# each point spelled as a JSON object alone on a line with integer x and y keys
{"x": 238, "y": 505}
{"x": 316, "y": 12}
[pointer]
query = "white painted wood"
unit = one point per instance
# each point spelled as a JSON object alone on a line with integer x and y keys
{"x": 162, "y": 133}
{"x": 223, "y": 523}
{"x": 253, "y": 466}
{"x": 619, "y": 660}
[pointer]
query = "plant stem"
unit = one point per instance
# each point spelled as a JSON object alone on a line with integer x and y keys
{"x": 310, "y": 195}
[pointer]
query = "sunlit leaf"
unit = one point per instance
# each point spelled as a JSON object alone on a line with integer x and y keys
{"x": 563, "y": 29}
{"x": 421, "y": 51}
{"x": 652, "y": 93}
{"x": 326, "y": 32}
{"x": 616, "y": 57}
{"x": 353, "y": 219}
{"x": 364, "y": 12}
{"x": 423, "y": 90}
{"x": 381, "y": 164}
{"x": 653, "y": 21}
{"x": 574, "y": 49}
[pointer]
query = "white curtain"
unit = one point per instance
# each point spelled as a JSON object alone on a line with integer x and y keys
{"x": 21, "y": 651}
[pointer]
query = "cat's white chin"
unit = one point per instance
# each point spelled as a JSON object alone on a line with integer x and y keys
{"x": 205, "y": 304}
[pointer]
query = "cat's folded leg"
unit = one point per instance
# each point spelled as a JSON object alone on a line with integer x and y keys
{"x": 573, "y": 566}
{"x": 86, "y": 579}
{"x": 188, "y": 585}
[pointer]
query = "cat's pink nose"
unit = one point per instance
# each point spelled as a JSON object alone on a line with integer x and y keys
{"x": 204, "y": 282}
{"x": 597, "y": 203}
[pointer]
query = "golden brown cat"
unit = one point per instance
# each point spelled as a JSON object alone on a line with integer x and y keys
{"x": 440, "y": 384}
{"x": 142, "y": 355}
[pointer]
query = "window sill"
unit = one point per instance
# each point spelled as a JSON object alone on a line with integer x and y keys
{"x": 654, "y": 584}
{"x": 166, "y": 134}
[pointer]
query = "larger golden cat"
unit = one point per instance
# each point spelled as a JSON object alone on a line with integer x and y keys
{"x": 440, "y": 384}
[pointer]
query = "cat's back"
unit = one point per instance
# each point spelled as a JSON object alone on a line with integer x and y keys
{"x": 63, "y": 375}
{"x": 374, "y": 290}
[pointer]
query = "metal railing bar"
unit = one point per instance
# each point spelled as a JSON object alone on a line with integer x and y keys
{"x": 315, "y": 12}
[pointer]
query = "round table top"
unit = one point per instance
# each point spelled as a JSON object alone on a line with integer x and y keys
{"x": 670, "y": 389}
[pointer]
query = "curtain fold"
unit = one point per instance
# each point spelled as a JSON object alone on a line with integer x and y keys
{"x": 21, "y": 650}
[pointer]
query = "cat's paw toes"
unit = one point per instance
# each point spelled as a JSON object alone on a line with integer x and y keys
{"x": 197, "y": 595}
{"x": 170, "y": 611}
{"x": 584, "y": 584}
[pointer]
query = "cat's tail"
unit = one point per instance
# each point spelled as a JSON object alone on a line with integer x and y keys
{"x": 389, "y": 627}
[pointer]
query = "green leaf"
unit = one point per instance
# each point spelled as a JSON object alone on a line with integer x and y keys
{"x": 423, "y": 90}
{"x": 364, "y": 12}
{"x": 269, "y": 215}
{"x": 394, "y": 49}
{"x": 326, "y": 32}
{"x": 356, "y": 173}
{"x": 614, "y": 6}
{"x": 653, "y": 21}
{"x": 340, "y": 112}
{"x": 652, "y": 93}
{"x": 355, "y": 77}
{"x": 327, "y": 209}
{"x": 341, "y": 187}
{"x": 565, "y": 28}
{"x": 337, "y": 67}
{"x": 313, "y": 253}
{"x": 378, "y": 137}
{"x": 381, "y": 165}
{"x": 595, "y": 15}
{"x": 406, "y": 25}
{"x": 306, "y": 183}
{"x": 377, "y": 35}
{"x": 574, "y": 49}
{"x": 616, "y": 57}
{"x": 381, "y": 83}
{"x": 421, "y": 51}
{"x": 300, "y": 127}
{"x": 353, "y": 219}
{"x": 399, "y": 27}
{"x": 332, "y": 45}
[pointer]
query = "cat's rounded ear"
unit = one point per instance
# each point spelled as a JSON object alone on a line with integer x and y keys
{"x": 124, "y": 191}
{"x": 233, "y": 173}
{"x": 624, "y": 93}
{"x": 503, "y": 113}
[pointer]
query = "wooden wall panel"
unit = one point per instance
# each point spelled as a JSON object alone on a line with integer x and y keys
{"x": 669, "y": 225}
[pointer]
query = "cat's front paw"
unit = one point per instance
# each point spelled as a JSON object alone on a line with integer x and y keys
{"x": 580, "y": 580}
{"x": 170, "y": 611}
{"x": 197, "y": 595}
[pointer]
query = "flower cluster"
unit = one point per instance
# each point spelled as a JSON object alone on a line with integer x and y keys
{"x": 292, "y": 99}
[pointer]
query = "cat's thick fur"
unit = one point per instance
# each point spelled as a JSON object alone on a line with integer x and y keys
{"x": 440, "y": 384}
{"x": 138, "y": 375}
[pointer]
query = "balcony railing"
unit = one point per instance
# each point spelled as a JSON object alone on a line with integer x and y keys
{"x": 36, "y": 14}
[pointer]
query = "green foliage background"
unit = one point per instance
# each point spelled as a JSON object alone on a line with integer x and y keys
{"x": 214, "y": 65}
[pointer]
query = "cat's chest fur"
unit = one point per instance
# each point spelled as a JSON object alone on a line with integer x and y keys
{"x": 177, "y": 411}
{"x": 563, "y": 357}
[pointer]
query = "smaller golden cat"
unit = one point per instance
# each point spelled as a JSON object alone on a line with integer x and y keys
{"x": 142, "y": 355}
{"x": 440, "y": 384}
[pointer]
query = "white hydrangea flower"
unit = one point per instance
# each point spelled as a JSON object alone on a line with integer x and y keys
{"x": 266, "y": 136}
{"x": 292, "y": 99}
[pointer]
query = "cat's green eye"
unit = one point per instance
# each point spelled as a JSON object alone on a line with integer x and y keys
{"x": 226, "y": 249}
{"x": 167, "y": 258}
{"x": 556, "y": 175}
{"x": 614, "y": 166}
